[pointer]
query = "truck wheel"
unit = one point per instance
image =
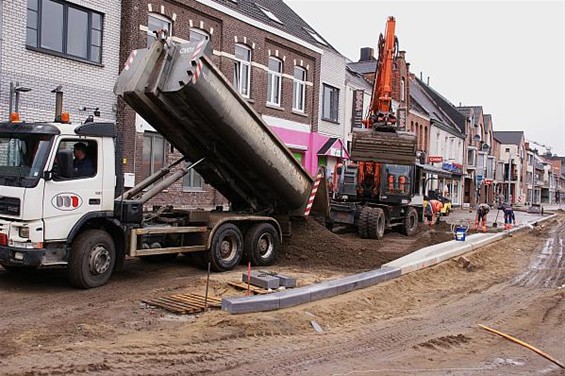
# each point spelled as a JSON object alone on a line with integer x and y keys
{"x": 410, "y": 225}
{"x": 362, "y": 224}
{"x": 376, "y": 225}
{"x": 92, "y": 259}
{"x": 227, "y": 248}
{"x": 261, "y": 244}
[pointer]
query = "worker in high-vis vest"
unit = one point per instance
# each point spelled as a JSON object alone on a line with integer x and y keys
{"x": 402, "y": 183}
{"x": 432, "y": 209}
{"x": 390, "y": 182}
{"x": 481, "y": 217}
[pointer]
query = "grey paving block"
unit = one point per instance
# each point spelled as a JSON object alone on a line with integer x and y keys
{"x": 322, "y": 291}
{"x": 346, "y": 284}
{"x": 294, "y": 297}
{"x": 286, "y": 281}
{"x": 261, "y": 279}
{"x": 250, "y": 304}
{"x": 383, "y": 274}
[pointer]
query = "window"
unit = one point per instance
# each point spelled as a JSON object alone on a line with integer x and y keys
{"x": 156, "y": 22}
{"x": 197, "y": 35}
{"x": 242, "y": 70}
{"x": 192, "y": 181}
{"x": 75, "y": 159}
{"x": 274, "y": 82}
{"x": 65, "y": 29}
{"x": 330, "y": 103}
{"x": 402, "y": 89}
{"x": 299, "y": 89}
{"x": 153, "y": 153}
{"x": 316, "y": 37}
{"x": 270, "y": 14}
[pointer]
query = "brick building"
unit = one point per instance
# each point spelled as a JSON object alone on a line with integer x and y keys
{"x": 71, "y": 45}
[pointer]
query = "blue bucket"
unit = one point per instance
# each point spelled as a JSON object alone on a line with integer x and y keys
{"x": 460, "y": 233}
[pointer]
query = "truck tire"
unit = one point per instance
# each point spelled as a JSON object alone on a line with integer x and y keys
{"x": 376, "y": 225}
{"x": 410, "y": 225}
{"x": 93, "y": 255}
{"x": 261, "y": 244}
{"x": 362, "y": 224}
{"x": 227, "y": 248}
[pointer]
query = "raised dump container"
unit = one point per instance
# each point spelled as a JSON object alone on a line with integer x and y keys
{"x": 183, "y": 95}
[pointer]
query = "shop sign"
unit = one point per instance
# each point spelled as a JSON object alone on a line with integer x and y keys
{"x": 453, "y": 167}
{"x": 357, "y": 115}
{"x": 434, "y": 159}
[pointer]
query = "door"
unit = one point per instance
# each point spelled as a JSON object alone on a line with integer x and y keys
{"x": 75, "y": 188}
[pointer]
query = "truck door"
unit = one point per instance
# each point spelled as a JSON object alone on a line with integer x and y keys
{"x": 75, "y": 188}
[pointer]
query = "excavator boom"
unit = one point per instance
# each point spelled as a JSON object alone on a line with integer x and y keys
{"x": 380, "y": 110}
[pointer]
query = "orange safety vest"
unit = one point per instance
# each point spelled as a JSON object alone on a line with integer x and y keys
{"x": 391, "y": 182}
{"x": 401, "y": 182}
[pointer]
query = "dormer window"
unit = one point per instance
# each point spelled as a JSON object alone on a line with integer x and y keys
{"x": 270, "y": 14}
{"x": 316, "y": 36}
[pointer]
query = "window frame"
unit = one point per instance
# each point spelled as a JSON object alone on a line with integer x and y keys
{"x": 299, "y": 90}
{"x": 91, "y": 28}
{"x": 239, "y": 66}
{"x": 160, "y": 17}
{"x": 200, "y": 32}
{"x": 273, "y": 78}
{"x": 190, "y": 176}
{"x": 153, "y": 136}
{"x": 334, "y": 103}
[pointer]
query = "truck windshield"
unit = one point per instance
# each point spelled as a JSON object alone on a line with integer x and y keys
{"x": 398, "y": 179}
{"x": 22, "y": 158}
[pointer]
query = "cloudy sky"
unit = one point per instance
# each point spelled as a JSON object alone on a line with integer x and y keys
{"x": 508, "y": 56}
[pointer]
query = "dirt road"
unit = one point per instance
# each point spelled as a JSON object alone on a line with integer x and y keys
{"x": 425, "y": 322}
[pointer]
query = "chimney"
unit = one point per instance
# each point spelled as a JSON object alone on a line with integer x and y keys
{"x": 428, "y": 83}
{"x": 421, "y": 78}
{"x": 402, "y": 54}
{"x": 367, "y": 54}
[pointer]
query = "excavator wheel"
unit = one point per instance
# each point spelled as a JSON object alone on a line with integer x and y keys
{"x": 227, "y": 248}
{"x": 261, "y": 244}
{"x": 362, "y": 224}
{"x": 376, "y": 224}
{"x": 410, "y": 225}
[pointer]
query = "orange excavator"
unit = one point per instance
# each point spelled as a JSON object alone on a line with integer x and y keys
{"x": 380, "y": 111}
{"x": 374, "y": 191}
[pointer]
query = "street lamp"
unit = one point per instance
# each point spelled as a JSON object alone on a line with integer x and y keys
{"x": 15, "y": 91}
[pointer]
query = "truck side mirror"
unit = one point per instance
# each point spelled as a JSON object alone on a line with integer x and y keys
{"x": 48, "y": 175}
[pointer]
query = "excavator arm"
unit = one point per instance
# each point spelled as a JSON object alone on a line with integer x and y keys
{"x": 380, "y": 110}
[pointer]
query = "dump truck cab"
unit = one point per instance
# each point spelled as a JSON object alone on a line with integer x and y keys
{"x": 44, "y": 198}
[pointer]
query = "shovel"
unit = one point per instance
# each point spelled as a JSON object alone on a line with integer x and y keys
{"x": 495, "y": 224}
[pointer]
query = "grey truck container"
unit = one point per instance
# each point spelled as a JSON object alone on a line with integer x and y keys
{"x": 183, "y": 95}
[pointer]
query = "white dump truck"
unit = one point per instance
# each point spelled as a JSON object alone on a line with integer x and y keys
{"x": 53, "y": 215}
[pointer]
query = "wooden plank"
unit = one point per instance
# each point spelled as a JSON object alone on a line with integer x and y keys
{"x": 197, "y": 301}
{"x": 243, "y": 286}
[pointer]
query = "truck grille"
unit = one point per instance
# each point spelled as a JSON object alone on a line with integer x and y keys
{"x": 9, "y": 205}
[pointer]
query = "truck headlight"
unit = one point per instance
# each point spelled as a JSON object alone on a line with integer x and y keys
{"x": 24, "y": 232}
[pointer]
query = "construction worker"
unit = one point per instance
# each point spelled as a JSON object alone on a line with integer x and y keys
{"x": 481, "y": 217}
{"x": 509, "y": 218}
{"x": 432, "y": 209}
{"x": 390, "y": 182}
{"x": 402, "y": 183}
